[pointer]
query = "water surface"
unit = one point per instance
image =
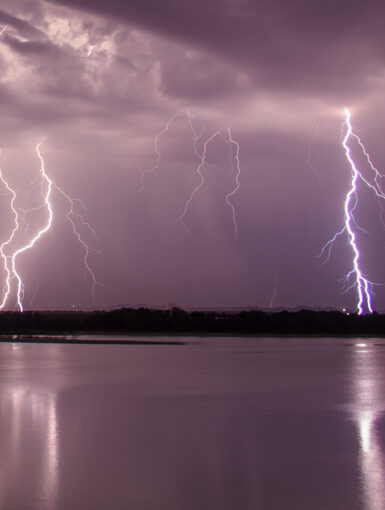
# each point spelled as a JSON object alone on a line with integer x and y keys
{"x": 217, "y": 423}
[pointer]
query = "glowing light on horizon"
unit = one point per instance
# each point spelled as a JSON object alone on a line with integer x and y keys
{"x": 355, "y": 278}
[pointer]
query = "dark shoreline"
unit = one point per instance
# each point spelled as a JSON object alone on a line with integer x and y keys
{"x": 48, "y": 339}
{"x": 177, "y": 322}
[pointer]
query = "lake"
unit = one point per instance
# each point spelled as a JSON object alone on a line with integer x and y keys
{"x": 215, "y": 423}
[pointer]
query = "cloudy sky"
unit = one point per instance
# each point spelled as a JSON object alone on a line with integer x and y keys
{"x": 147, "y": 110}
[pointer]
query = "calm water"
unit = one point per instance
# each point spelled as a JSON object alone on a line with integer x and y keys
{"x": 220, "y": 424}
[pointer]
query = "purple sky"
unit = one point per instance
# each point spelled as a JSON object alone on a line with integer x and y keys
{"x": 97, "y": 81}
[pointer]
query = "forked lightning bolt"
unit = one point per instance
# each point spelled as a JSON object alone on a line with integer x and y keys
{"x": 201, "y": 156}
{"x": 10, "y": 261}
{"x": 85, "y": 246}
{"x": 45, "y": 183}
{"x": 71, "y": 212}
{"x": 355, "y": 278}
{"x": 6, "y": 261}
{"x": 199, "y": 171}
{"x": 196, "y": 137}
{"x": 362, "y": 284}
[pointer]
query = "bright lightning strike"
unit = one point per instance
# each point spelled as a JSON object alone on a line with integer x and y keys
{"x": 355, "y": 278}
{"x": 47, "y": 183}
{"x": 10, "y": 261}
{"x": 5, "y": 258}
{"x": 363, "y": 286}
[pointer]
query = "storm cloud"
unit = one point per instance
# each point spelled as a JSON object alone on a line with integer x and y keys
{"x": 125, "y": 97}
{"x": 308, "y": 46}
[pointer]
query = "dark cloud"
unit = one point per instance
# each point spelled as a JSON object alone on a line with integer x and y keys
{"x": 303, "y": 45}
{"x": 200, "y": 77}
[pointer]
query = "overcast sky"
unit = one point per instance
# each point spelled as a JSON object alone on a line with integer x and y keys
{"x": 97, "y": 82}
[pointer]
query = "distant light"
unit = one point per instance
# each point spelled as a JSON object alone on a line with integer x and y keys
{"x": 361, "y": 345}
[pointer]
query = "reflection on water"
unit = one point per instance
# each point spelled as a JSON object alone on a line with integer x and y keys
{"x": 29, "y": 448}
{"x": 369, "y": 407}
{"x": 32, "y": 433}
{"x": 218, "y": 423}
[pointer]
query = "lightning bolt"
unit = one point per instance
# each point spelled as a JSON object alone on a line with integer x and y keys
{"x": 158, "y": 156}
{"x": 203, "y": 164}
{"x": 375, "y": 184}
{"x": 47, "y": 183}
{"x": 355, "y": 278}
{"x": 275, "y": 290}
{"x": 4, "y": 257}
{"x": 10, "y": 261}
{"x": 76, "y": 233}
{"x": 196, "y": 137}
{"x": 71, "y": 212}
{"x": 237, "y": 184}
{"x": 195, "y": 190}
{"x": 3, "y": 30}
{"x": 201, "y": 156}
